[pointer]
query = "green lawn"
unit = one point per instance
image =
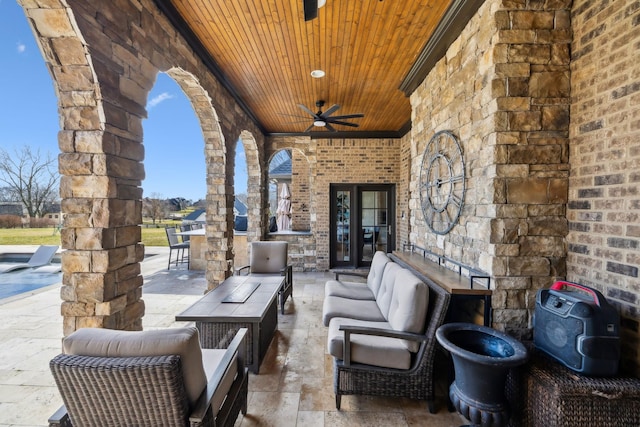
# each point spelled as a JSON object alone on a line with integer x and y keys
{"x": 50, "y": 236}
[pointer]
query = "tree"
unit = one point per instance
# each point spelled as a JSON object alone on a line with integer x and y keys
{"x": 154, "y": 207}
{"x": 30, "y": 178}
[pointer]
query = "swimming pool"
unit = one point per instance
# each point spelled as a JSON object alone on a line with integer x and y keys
{"x": 24, "y": 280}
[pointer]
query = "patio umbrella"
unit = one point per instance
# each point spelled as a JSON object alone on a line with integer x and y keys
{"x": 284, "y": 209}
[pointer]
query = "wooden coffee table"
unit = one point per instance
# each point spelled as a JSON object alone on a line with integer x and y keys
{"x": 218, "y": 321}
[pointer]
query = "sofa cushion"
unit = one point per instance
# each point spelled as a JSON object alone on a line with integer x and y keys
{"x": 268, "y": 257}
{"x": 211, "y": 359}
{"x": 409, "y": 304}
{"x": 110, "y": 343}
{"x": 352, "y": 308}
{"x": 371, "y": 350}
{"x": 376, "y": 271}
{"x": 352, "y": 290}
{"x": 383, "y": 298}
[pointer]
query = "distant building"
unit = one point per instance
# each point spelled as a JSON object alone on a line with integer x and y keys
{"x": 198, "y": 216}
{"x": 11, "y": 209}
{"x": 239, "y": 215}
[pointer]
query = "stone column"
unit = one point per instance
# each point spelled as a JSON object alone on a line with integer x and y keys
{"x": 531, "y": 89}
{"x": 101, "y": 106}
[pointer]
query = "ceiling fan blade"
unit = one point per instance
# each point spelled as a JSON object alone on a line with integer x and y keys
{"x": 307, "y": 110}
{"x": 297, "y": 121}
{"x": 331, "y": 110}
{"x": 347, "y": 116}
{"x": 294, "y": 115}
{"x": 331, "y": 128}
{"x": 337, "y": 122}
{"x": 310, "y": 9}
{"x": 309, "y": 128}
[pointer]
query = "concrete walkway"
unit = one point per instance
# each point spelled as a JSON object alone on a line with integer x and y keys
{"x": 294, "y": 388}
{"x": 31, "y": 331}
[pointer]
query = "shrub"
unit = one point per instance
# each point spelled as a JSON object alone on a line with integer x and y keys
{"x": 10, "y": 221}
{"x": 42, "y": 222}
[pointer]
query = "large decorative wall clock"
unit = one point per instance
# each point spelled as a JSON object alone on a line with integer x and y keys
{"x": 442, "y": 182}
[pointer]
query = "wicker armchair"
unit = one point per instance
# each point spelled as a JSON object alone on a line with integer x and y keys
{"x": 269, "y": 258}
{"x": 417, "y": 382}
{"x": 149, "y": 390}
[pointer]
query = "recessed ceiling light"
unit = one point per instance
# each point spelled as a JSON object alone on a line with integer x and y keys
{"x": 317, "y": 74}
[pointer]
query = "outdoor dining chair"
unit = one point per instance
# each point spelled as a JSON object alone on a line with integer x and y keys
{"x": 179, "y": 247}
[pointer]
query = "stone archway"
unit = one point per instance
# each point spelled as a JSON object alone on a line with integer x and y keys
{"x": 255, "y": 186}
{"x": 218, "y": 245}
{"x": 104, "y": 58}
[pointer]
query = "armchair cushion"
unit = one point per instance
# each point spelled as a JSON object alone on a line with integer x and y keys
{"x": 371, "y": 350}
{"x": 178, "y": 341}
{"x": 268, "y": 257}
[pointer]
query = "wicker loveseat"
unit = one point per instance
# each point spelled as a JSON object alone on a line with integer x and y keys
{"x": 384, "y": 346}
{"x": 149, "y": 378}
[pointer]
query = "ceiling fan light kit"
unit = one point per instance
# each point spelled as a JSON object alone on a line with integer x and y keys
{"x": 326, "y": 119}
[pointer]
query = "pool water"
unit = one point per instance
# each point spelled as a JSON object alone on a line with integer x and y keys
{"x": 24, "y": 280}
{"x": 20, "y": 281}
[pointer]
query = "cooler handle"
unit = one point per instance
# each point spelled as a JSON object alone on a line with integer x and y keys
{"x": 561, "y": 284}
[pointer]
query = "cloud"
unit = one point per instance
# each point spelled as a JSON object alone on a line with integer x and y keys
{"x": 21, "y": 47}
{"x": 158, "y": 99}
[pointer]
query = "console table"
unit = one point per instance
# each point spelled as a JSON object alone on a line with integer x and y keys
{"x": 218, "y": 320}
{"x": 474, "y": 284}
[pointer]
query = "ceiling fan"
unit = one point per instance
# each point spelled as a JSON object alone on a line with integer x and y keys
{"x": 325, "y": 119}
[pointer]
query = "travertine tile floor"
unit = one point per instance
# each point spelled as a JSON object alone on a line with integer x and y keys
{"x": 294, "y": 387}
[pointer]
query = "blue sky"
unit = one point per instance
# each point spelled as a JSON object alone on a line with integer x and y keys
{"x": 174, "y": 148}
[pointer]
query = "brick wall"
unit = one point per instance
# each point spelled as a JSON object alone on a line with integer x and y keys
{"x": 604, "y": 191}
{"x": 403, "y": 226}
{"x": 355, "y": 161}
{"x": 300, "y": 192}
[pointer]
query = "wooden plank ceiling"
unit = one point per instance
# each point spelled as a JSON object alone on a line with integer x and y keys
{"x": 266, "y": 51}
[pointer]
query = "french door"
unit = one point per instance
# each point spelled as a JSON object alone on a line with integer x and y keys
{"x": 361, "y": 223}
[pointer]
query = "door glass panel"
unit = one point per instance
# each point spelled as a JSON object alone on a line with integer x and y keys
{"x": 343, "y": 216}
{"x": 374, "y": 226}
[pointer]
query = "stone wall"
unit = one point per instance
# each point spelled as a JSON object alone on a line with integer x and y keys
{"x": 604, "y": 190}
{"x": 503, "y": 89}
{"x": 352, "y": 161}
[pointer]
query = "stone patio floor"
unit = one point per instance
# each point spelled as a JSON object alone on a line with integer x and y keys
{"x": 294, "y": 387}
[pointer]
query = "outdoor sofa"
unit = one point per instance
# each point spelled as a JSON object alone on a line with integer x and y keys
{"x": 382, "y": 333}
